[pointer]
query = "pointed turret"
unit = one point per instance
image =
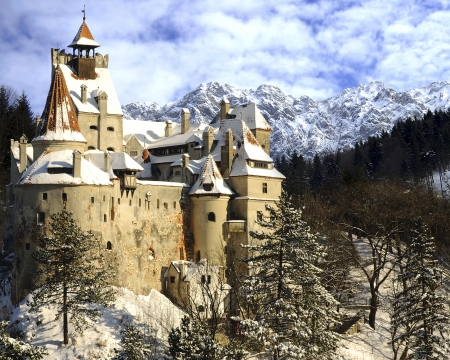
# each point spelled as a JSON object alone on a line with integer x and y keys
{"x": 83, "y": 61}
{"x": 59, "y": 121}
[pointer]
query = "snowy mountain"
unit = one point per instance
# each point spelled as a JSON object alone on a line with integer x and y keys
{"x": 303, "y": 124}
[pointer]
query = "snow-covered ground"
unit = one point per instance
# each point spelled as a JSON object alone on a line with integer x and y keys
{"x": 153, "y": 314}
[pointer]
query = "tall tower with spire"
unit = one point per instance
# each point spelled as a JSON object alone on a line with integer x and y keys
{"x": 90, "y": 86}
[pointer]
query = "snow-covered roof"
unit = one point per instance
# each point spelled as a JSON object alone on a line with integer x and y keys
{"x": 38, "y": 172}
{"x": 84, "y": 38}
{"x": 195, "y": 166}
{"x": 151, "y": 134}
{"x": 117, "y": 160}
{"x": 102, "y": 82}
{"x": 59, "y": 120}
{"x": 210, "y": 181}
{"x": 251, "y": 115}
{"x": 192, "y": 268}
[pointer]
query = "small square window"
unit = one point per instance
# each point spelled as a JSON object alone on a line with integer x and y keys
{"x": 44, "y": 196}
{"x": 133, "y": 153}
{"x": 92, "y": 199}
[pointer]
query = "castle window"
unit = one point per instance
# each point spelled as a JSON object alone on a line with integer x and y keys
{"x": 108, "y": 245}
{"x": 208, "y": 279}
{"x": 110, "y": 149}
{"x": 104, "y": 197}
{"x": 211, "y": 216}
{"x": 118, "y": 201}
{"x": 157, "y": 203}
{"x": 200, "y": 308}
{"x": 198, "y": 256}
{"x": 264, "y": 188}
{"x": 139, "y": 202}
{"x": 44, "y": 196}
{"x": 92, "y": 200}
{"x": 27, "y": 246}
{"x": 130, "y": 202}
{"x": 203, "y": 279}
{"x": 133, "y": 153}
{"x": 64, "y": 197}
{"x": 41, "y": 218}
{"x": 93, "y": 127}
{"x": 110, "y": 128}
{"x": 105, "y": 218}
{"x": 91, "y": 147}
{"x": 174, "y": 204}
{"x": 172, "y": 279}
{"x": 177, "y": 173}
{"x": 166, "y": 206}
{"x": 259, "y": 215}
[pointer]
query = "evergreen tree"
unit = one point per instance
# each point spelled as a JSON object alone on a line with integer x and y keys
{"x": 22, "y": 118}
{"x": 420, "y": 320}
{"x": 72, "y": 274}
{"x": 134, "y": 346}
{"x": 191, "y": 341}
{"x": 292, "y": 313}
{"x": 12, "y": 349}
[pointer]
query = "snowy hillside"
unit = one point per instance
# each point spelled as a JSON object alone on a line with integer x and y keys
{"x": 303, "y": 124}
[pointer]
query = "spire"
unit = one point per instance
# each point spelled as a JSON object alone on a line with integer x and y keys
{"x": 83, "y": 38}
{"x": 59, "y": 121}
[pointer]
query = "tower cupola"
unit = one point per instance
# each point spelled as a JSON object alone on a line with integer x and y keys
{"x": 83, "y": 45}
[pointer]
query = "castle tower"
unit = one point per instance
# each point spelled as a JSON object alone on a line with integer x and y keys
{"x": 59, "y": 127}
{"x": 83, "y": 45}
{"x": 209, "y": 198}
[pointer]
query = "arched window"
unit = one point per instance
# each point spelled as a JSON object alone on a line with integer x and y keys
{"x": 110, "y": 128}
{"x": 108, "y": 245}
{"x": 211, "y": 216}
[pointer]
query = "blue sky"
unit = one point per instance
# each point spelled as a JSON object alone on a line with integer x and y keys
{"x": 160, "y": 49}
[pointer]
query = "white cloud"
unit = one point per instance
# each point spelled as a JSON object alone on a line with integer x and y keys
{"x": 160, "y": 49}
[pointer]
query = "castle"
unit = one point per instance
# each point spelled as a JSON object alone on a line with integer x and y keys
{"x": 153, "y": 192}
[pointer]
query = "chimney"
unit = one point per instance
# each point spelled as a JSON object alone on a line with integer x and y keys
{"x": 23, "y": 153}
{"x": 208, "y": 138}
{"x": 76, "y": 163}
{"x": 103, "y": 103}
{"x": 38, "y": 123}
{"x": 184, "y": 167}
{"x": 84, "y": 94}
{"x": 102, "y": 100}
{"x": 224, "y": 108}
{"x": 185, "y": 120}
{"x": 106, "y": 161}
{"x": 182, "y": 265}
{"x": 226, "y": 155}
{"x": 168, "y": 128}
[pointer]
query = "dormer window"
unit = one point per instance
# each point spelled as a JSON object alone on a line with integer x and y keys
{"x": 207, "y": 187}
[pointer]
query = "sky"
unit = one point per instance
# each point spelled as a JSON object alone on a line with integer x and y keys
{"x": 161, "y": 49}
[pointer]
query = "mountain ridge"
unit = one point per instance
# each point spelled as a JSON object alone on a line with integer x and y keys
{"x": 303, "y": 124}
